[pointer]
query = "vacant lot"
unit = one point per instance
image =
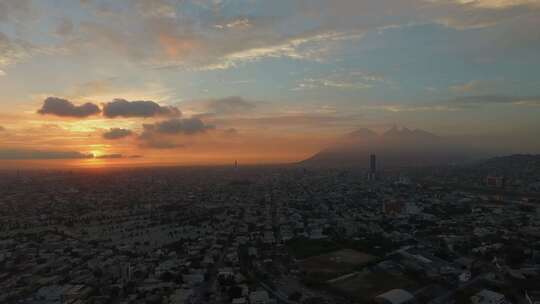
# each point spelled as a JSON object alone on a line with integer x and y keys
{"x": 304, "y": 248}
{"x": 335, "y": 263}
{"x": 366, "y": 285}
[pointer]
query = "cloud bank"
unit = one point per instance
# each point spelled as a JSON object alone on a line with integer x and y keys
{"x": 139, "y": 108}
{"x": 23, "y": 154}
{"x": 118, "y": 108}
{"x": 165, "y": 134}
{"x": 186, "y": 126}
{"x": 65, "y": 108}
{"x": 117, "y": 133}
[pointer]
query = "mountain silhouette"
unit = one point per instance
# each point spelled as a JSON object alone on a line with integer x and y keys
{"x": 395, "y": 147}
{"x": 362, "y": 133}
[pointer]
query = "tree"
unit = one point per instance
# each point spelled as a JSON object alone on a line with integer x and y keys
{"x": 98, "y": 273}
{"x": 167, "y": 276}
{"x": 314, "y": 300}
{"x": 295, "y": 296}
{"x": 235, "y": 292}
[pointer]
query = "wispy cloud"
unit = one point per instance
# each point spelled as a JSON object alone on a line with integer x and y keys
{"x": 311, "y": 47}
{"x": 12, "y": 51}
{"x": 314, "y": 83}
{"x": 399, "y": 108}
{"x": 236, "y": 23}
{"x": 228, "y": 105}
{"x": 497, "y": 4}
{"x": 163, "y": 34}
{"x": 355, "y": 80}
{"x": 475, "y": 86}
{"x": 496, "y": 99}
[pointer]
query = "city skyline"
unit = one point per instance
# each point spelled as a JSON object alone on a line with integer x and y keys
{"x": 95, "y": 83}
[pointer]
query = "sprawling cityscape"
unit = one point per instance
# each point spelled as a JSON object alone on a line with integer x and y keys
{"x": 269, "y": 152}
{"x": 273, "y": 234}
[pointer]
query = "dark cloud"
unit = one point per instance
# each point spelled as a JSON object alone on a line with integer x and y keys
{"x": 231, "y": 131}
{"x": 138, "y": 108}
{"x": 22, "y": 154}
{"x": 117, "y": 133}
{"x": 116, "y": 156}
{"x": 65, "y": 108}
{"x": 108, "y": 156}
{"x": 2, "y": 129}
{"x": 233, "y": 104}
{"x": 187, "y": 126}
{"x": 160, "y": 135}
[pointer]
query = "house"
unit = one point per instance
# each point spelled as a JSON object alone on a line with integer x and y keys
{"x": 395, "y": 296}
{"x": 259, "y": 297}
{"x": 239, "y": 301}
{"x": 488, "y": 297}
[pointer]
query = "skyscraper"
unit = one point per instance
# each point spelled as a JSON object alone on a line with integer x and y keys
{"x": 372, "y": 167}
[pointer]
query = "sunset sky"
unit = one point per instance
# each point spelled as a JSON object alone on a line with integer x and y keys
{"x": 94, "y": 82}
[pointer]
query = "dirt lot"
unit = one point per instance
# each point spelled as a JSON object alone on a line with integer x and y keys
{"x": 367, "y": 285}
{"x": 335, "y": 263}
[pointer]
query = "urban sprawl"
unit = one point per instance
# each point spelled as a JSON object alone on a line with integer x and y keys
{"x": 271, "y": 234}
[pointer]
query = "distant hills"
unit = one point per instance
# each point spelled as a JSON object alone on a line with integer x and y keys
{"x": 525, "y": 164}
{"x": 397, "y": 147}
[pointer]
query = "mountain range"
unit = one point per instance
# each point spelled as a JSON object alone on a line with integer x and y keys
{"x": 396, "y": 147}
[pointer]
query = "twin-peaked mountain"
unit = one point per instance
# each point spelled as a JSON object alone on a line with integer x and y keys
{"x": 394, "y": 148}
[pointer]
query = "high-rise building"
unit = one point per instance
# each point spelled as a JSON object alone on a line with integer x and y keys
{"x": 372, "y": 174}
{"x": 495, "y": 181}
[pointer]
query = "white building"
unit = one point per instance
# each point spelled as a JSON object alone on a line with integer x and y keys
{"x": 488, "y": 297}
